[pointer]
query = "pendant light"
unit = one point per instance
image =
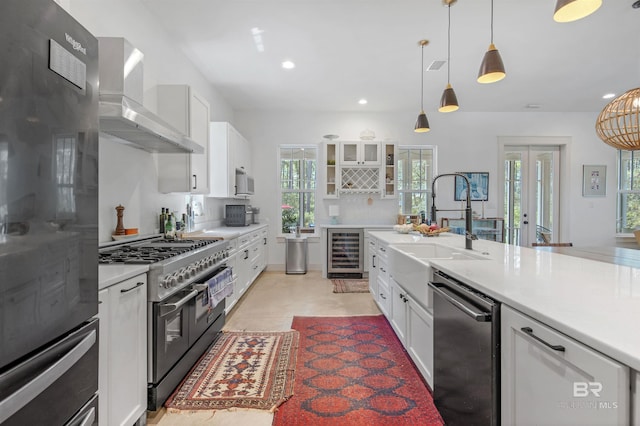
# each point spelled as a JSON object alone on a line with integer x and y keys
{"x": 618, "y": 124}
{"x": 449, "y": 100}
{"x": 422, "y": 124}
{"x": 572, "y": 10}
{"x": 492, "y": 68}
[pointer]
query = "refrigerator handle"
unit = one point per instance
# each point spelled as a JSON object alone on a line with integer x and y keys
{"x": 12, "y": 404}
{"x": 89, "y": 418}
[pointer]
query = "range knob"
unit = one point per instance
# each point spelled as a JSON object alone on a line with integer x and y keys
{"x": 172, "y": 281}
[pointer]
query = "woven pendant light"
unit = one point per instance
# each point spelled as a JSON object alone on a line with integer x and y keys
{"x": 618, "y": 124}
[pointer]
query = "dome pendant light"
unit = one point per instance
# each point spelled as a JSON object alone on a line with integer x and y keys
{"x": 449, "y": 100}
{"x": 572, "y": 10}
{"x": 492, "y": 68}
{"x": 422, "y": 124}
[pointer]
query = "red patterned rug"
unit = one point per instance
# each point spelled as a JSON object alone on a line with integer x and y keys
{"x": 242, "y": 369}
{"x": 352, "y": 371}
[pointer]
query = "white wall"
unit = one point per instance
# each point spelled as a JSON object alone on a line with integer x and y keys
{"x": 129, "y": 176}
{"x": 465, "y": 142}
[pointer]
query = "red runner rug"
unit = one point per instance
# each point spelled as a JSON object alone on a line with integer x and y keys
{"x": 352, "y": 371}
{"x": 242, "y": 369}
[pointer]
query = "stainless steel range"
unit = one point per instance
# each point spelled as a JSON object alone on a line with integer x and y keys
{"x": 183, "y": 320}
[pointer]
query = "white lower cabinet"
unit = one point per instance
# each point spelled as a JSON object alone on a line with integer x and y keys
{"x": 398, "y": 314}
{"x": 413, "y": 325}
{"x": 547, "y": 378}
{"x": 122, "y": 377}
{"x": 420, "y": 338}
{"x": 248, "y": 261}
{"x": 635, "y": 398}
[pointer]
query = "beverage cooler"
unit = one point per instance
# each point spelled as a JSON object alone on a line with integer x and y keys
{"x": 345, "y": 253}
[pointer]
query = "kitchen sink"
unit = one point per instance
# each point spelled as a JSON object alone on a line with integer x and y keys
{"x": 410, "y": 265}
{"x": 434, "y": 251}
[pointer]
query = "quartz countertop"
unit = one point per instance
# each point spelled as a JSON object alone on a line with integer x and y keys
{"x": 355, "y": 225}
{"x": 223, "y": 232}
{"x": 109, "y": 275}
{"x": 593, "y": 302}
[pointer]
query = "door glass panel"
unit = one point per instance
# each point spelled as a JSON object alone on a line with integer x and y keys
{"x": 370, "y": 152}
{"x": 512, "y": 196}
{"x": 531, "y": 204}
{"x": 349, "y": 152}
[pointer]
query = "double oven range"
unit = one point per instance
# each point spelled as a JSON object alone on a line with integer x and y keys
{"x": 182, "y": 321}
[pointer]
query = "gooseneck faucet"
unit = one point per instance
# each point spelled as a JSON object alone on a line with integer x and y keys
{"x": 469, "y": 236}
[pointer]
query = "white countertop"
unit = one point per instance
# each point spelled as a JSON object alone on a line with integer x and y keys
{"x": 594, "y": 302}
{"x": 223, "y": 232}
{"x": 368, "y": 226}
{"x": 109, "y": 275}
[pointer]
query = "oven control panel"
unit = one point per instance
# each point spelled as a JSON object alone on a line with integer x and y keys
{"x": 191, "y": 272}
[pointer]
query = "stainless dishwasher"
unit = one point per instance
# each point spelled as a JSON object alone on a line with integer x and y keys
{"x": 466, "y": 353}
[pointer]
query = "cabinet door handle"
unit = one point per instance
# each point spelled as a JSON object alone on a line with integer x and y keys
{"x": 373, "y": 261}
{"x": 265, "y": 241}
{"x": 195, "y": 181}
{"x": 246, "y": 254}
{"x": 529, "y": 331}
{"x": 126, "y": 290}
{"x": 383, "y": 296}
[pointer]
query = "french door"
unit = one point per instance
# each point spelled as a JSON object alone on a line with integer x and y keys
{"x": 531, "y": 193}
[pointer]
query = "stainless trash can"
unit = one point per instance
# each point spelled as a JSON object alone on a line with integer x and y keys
{"x": 296, "y": 255}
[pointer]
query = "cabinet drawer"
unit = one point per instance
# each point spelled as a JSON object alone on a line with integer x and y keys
{"x": 383, "y": 251}
{"x": 383, "y": 297}
{"x": 549, "y": 377}
{"x": 383, "y": 270}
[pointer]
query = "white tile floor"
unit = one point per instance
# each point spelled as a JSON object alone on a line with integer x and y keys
{"x": 270, "y": 305}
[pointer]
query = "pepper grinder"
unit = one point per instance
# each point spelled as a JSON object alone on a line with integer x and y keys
{"x": 119, "y": 226}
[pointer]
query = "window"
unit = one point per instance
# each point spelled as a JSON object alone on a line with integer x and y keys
{"x": 415, "y": 173}
{"x": 298, "y": 187}
{"x": 628, "y": 191}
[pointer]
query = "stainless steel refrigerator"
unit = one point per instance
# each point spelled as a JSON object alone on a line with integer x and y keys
{"x": 48, "y": 216}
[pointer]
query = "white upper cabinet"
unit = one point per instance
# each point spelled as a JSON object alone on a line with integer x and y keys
{"x": 360, "y": 153}
{"x": 188, "y": 112}
{"x": 229, "y": 151}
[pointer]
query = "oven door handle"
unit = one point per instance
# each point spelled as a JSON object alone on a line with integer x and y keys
{"x": 459, "y": 303}
{"x": 169, "y": 308}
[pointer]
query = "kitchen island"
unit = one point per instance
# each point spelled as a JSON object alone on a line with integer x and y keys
{"x": 582, "y": 302}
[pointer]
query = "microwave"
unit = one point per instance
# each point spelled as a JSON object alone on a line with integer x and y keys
{"x": 238, "y": 215}
{"x": 244, "y": 183}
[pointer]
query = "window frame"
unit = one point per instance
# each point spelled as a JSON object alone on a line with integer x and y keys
{"x": 434, "y": 173}
{"x": 281, "y": 191}
{"x": 621, "y": 230}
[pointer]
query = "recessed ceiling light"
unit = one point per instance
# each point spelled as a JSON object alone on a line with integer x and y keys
{"x": 532, "y": 106}
{"x": 288, "y": 65}
{"x": 436, "y": 65}
{"x": 608, "y": 96}
{"x": 362, "y": 101}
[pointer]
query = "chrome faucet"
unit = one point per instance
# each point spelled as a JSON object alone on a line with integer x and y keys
{"x": 469, "y": 236}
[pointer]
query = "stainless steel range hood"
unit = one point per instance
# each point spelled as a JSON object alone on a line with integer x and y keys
{"x": 121, "y": 111}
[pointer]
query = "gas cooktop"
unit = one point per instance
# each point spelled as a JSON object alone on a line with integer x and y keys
{"x": 148, "y": 252}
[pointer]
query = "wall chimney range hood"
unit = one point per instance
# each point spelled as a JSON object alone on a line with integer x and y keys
{"x": 121, "y": 112}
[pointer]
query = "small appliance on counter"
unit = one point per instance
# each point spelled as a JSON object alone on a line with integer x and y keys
{"x": 238, "y": 215}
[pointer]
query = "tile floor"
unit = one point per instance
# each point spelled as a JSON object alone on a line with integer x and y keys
{"x": 270, "y": 305}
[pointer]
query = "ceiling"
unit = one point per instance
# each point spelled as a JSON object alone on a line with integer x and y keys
{"x": 345, "y": 50}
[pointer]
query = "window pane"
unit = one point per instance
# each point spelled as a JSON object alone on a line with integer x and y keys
{"x": 629, "y": 217}
{"x": 290, "y": 210}
{"x": 298, "y": 183}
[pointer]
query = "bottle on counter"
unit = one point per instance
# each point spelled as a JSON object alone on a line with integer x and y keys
{"x": 170, "y": 227}
{"x": 162, "y": 220}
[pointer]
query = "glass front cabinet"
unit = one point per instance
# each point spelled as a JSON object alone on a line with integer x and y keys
{"x": 360, "y": 153}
